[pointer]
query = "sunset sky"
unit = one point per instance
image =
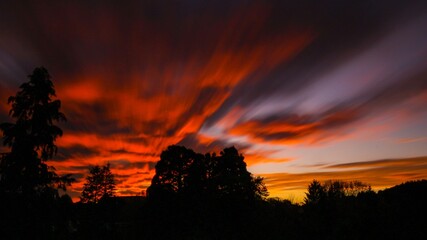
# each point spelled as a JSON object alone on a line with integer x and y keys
{"x": 304, "y": 89}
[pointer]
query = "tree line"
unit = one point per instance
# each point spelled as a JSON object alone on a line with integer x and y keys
{"x": 192, "y": 195}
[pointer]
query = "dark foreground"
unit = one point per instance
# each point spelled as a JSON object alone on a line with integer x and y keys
{"x": 395, "y": 213}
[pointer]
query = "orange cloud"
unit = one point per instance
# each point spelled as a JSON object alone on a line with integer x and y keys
{"x": 261, "y": 157}
{"x": 83, "y": 90}
{"x": 133, "y": 82}
{"x": 379, "y": 174}
{"x": 296, "y": 129}
{"x": 153, "y": 98}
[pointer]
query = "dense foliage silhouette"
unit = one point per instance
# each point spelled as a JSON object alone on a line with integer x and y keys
{"x": 315, "y": 193}
{"x": 181, "y": 172}
{"x": 99, "y": 184}
{"x": 395, "y": 213}
{"x": 28, "y": 186}
{"x": 32, "y": 138}
{"x": 331, "y": 190}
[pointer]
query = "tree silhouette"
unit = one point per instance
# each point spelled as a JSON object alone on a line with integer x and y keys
{"x": 333, "y": 190}
{"x": 99, "y": 184}
{"x": 230, "y": 177}
{"x": 315, "y": 194}
{"x": 336, "y": 189}
{"x": 32, "y": 139}
{"x": 175, "y": 172}
{"x": 182, "y": 172}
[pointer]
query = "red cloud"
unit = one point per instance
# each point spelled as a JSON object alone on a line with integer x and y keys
{"x": 150, "y": 92}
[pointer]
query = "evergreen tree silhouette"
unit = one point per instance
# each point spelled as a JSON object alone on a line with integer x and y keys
{"x": 32, "y": 139}
{"x": 29, "y": 199}
{"x": 99, "y": 184}
{"x": 315, "y": 193}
